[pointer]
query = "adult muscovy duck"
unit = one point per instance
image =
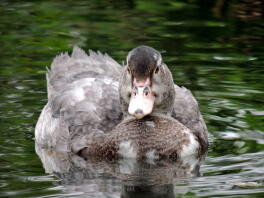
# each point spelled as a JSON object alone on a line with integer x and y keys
{"x": 97, "y": 108}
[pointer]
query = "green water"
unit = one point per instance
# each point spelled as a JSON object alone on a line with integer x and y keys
{"x": 215, "y": 49}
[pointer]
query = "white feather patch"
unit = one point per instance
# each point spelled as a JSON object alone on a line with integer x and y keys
{"x": 191, "y": 147}
{"x": 152, "y": 155}
{"x": 107, "y": 81}
{"x": 84, "y": 81}
{"x": 150, "y": 124}
{"x": 127, "y": 150}
{"x": 79, "y": 94}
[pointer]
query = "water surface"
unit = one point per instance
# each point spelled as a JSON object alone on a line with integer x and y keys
{"x": 214, "y": 49}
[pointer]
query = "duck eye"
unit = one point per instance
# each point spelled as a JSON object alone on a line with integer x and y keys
{"x": 146, "y": 91}
{"x": 156, "y": 70}
{"x": 134, "y": 91}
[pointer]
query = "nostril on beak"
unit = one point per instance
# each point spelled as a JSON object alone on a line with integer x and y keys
{"x": 138, "y": 111}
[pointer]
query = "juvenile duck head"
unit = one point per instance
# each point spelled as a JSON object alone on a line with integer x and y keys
{"x": 146, "y": 85}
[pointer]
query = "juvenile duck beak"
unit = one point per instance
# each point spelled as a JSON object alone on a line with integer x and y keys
{"x": 142, "y": 98}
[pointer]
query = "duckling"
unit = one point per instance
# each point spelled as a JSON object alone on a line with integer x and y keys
{"x": 147, "y": 96}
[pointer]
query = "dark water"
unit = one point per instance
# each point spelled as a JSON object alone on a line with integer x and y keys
{"x": 215, "y": 49}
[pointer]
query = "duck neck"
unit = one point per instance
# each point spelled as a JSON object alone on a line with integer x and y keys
{"x": 127, "y": 116}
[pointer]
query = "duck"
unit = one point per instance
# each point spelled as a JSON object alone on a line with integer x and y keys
{"x": 99, "y": 109}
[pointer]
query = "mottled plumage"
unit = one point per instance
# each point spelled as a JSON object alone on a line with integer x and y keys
{"x": 152, "y": 136}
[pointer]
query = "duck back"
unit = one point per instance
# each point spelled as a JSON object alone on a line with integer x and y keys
{"x": 151, "y": 137}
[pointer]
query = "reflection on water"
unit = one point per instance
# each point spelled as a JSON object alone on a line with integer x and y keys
{"x": 128, "y": 177}
{"x": 215, "y": 48}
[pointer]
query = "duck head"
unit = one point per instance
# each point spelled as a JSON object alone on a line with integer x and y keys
{"x": 146, "y": 85}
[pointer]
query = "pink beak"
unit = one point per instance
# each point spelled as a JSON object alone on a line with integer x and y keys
{"x": 142, "y": 98}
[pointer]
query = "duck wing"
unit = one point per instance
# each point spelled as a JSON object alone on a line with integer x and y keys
{"x": 186, "y": 110}
{"x": 66, "y": 69}
{"x": 82, "y": 96}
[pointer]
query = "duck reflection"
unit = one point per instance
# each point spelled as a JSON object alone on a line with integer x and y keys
{"x": 121, "y": 178}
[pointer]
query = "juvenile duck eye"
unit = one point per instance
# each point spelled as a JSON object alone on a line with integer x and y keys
{"x": 135, "y": 91}
{"x": 157, "y": 70}
{"x": 146, "y": 91}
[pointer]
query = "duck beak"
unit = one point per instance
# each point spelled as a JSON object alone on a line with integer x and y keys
{"x": 142, "y": 99}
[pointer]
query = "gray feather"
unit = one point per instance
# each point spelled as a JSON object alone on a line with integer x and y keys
{"x": 186, "y": 110}
{"x": 65, "y": 69}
